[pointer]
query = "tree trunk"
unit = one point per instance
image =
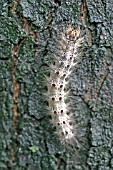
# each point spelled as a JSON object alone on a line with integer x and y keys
{"x": 29, "y": 29}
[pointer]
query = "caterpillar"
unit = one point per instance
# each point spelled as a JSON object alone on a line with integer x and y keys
{"x": 57, "y": 95}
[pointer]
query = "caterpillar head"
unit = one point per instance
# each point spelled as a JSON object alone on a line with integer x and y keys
{"x": 72, "y": 32}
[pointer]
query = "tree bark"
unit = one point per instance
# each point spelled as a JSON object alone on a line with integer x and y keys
{"x": 27, "y": 139}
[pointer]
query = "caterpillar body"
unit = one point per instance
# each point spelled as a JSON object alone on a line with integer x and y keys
{"x": 57, "y": 83}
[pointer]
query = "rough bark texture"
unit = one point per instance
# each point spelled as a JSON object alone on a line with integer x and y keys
{"x": 27, "y": 140}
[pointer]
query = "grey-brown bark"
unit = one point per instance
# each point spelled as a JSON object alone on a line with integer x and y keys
{"x": 27, "y": 137}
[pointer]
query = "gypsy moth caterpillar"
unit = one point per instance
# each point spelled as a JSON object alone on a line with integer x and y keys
{"x": 57, "y": 95}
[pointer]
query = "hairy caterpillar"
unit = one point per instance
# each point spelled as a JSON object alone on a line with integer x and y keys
{"x": 57, "y": 83}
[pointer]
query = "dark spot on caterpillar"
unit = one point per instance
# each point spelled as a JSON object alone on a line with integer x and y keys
{"x": 61, "y": 111}
{"x": 66, "y": 132}
{"x": 53, "y": 98}
{"x": 53, "y": 85}
{"x": 55, "y": 112}
{"x": 70, "y": 123}
{"x": 71, "y": 56}
{"x": 68, "y": 113}
{"x": 63, "y": 133}
{"x": 62, "y": 63}
{"x": 61, "y": 86}
{"x": 64, "y": 75}
{"x": 64, "y": 122}
{"x": 64, "y": 56}
{"x": 71, "y": 37}
{"x": 68, "y": 66}
{"x": 57, "y": 72}
{"x": 58, "y": 123}
{"x": 60, "y": 98}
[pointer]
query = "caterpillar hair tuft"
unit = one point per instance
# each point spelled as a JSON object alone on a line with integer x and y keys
{"x": 58, "y": 95}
